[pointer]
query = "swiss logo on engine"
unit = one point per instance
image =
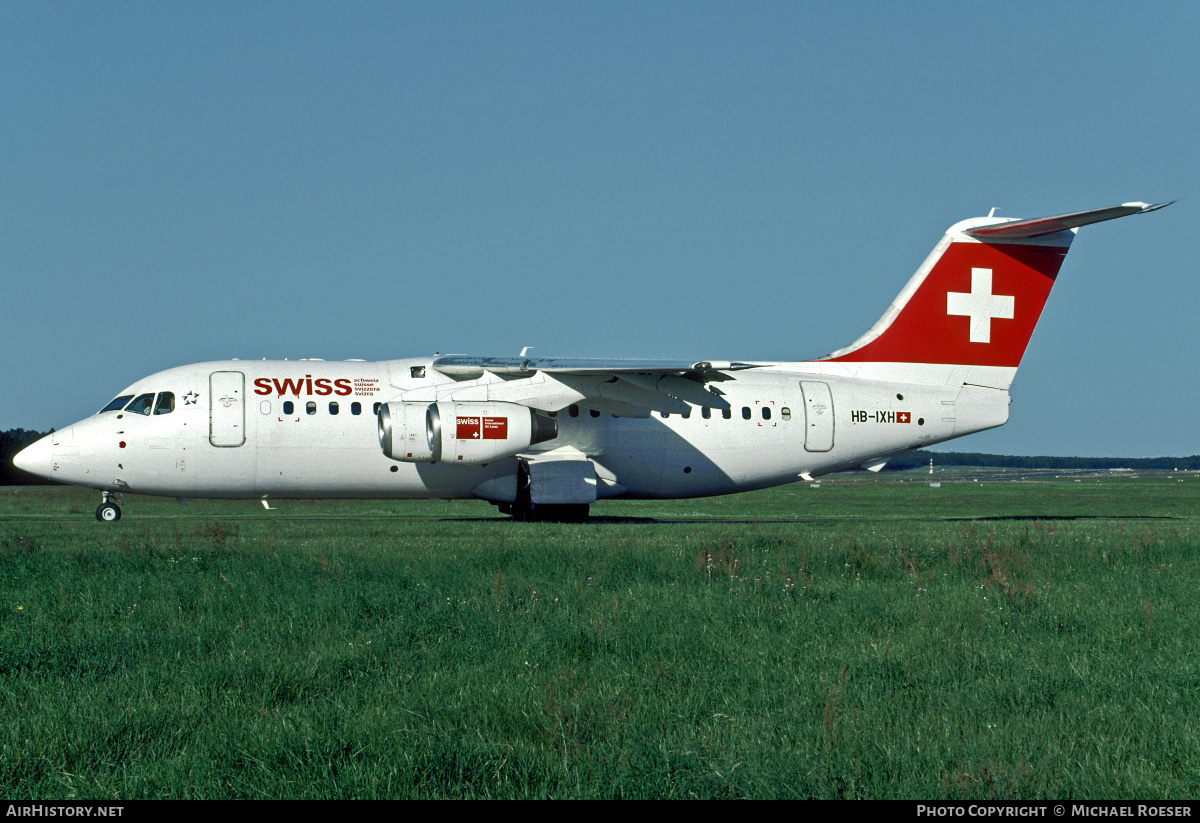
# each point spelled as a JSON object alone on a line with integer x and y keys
{"x": 481, "y": 428}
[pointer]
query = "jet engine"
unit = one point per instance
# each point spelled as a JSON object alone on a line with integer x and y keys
{"x": 460, "y": 432}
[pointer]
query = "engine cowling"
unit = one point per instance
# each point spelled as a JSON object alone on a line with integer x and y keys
{"x": 464, "y": 433}
{"x": 409, "y": 431}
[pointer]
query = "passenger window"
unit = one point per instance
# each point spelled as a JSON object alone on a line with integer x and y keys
{"x": 375, "y": 408}
{"x": 685, "y": 415}
{"x": 766, "y": 413}
{"x": 333, "y": 408}
{"x": 117, "y": 404}
{"x": 356, "y": 408}
{"x": 311, "y": 407}
{"x": 745, "y": 412}
{"x": 417, "y": 372}
{"x": 593, "y": 413}
{"x": 785, "y": 413}
{"x": 573, "y": 411}
{"x": 288, "y": 407}
{"x": 706, "y": 412}
{"x": 141, "y": 404}
{"x": 165, "y": 404}
{"x": 665, "y": 415}
{"x": 727, "y": 413}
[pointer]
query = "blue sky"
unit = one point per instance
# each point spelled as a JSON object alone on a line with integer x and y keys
{"x": 182, "y": 182}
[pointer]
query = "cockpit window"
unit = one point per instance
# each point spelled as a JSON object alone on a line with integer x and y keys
{"x": 141, "y": 404}
{"x": 117, "y": 404}
{"x": 165, "y": 404}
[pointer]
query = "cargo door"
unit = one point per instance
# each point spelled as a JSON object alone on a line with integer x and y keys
{"x": 227, "y": 408}
{"x": 818, "y": 416}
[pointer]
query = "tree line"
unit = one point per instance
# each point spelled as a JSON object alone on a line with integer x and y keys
{"x": 921, "y": 457}
{"x": 11, "y": 442}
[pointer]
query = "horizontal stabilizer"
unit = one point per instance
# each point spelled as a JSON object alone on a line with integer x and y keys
{"x": 1049, "y": 225}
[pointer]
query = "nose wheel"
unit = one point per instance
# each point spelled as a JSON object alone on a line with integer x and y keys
{"x": 108, "y": 512}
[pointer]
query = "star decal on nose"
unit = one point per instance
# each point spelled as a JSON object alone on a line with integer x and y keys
{"x": 190, "y": 398}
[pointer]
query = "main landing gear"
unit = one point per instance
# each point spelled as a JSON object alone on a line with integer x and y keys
{"x": 108, "y": 512}
{"x": 523, "y": 509}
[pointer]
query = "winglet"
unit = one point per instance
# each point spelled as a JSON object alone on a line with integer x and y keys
{"x": 1049, "y": 225}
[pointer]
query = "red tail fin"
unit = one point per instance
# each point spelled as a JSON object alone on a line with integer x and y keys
{"x": 977, "y": 298}
{"x": 976, "y": 306}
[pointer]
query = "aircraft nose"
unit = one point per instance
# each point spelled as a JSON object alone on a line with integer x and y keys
{"x": 37, "y": 458}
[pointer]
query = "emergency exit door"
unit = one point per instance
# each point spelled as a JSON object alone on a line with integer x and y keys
{"x": 227, "y": 408}
{"x": 818, "y": 416}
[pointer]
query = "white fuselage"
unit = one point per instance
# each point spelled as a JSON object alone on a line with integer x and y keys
{"x": 308, "y": 429}
{"x": 553, "y": 435}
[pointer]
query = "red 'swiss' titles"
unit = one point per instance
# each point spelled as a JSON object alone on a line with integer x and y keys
{"x": 320, "y": 386}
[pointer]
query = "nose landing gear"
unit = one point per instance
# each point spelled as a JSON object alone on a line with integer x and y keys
{"x": 108, "y": 512}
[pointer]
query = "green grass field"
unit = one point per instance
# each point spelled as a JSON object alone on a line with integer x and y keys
{"x": 868, "y": 638}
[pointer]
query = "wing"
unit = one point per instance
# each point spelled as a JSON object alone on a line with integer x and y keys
{"x": 627, "y": 388}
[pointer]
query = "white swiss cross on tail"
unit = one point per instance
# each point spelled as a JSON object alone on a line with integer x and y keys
{"x": 980, "y": 305}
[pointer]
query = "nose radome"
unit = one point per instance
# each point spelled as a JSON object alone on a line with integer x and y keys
{"x": 37, "y": 458}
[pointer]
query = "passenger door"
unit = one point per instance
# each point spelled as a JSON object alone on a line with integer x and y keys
{"x": 227, "y": 408}
{"x": 818, "y": 416}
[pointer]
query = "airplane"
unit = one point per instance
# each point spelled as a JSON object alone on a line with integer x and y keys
{"x": 545, "y": 438}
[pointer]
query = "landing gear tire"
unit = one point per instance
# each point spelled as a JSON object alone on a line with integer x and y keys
{"x": 561, "y": 513}
{"x": 108, "y": 513}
